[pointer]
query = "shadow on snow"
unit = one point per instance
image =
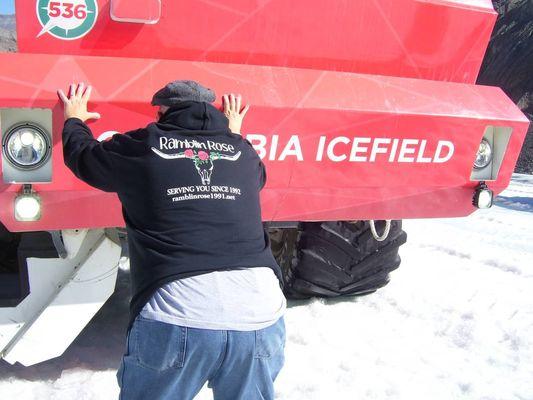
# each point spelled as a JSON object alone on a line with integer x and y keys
{"x": 515, "y": 203}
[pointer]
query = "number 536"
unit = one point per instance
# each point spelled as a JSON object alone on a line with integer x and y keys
{"x": 67, "y": 10}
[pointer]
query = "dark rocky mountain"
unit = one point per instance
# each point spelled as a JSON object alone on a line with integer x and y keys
{"x": 7, "y": 22}
{"x": 8, "y": 35}
{"x": 508, "y": 62}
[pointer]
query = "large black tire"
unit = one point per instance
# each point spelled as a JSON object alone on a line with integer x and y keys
{"x": 331, "y": 259}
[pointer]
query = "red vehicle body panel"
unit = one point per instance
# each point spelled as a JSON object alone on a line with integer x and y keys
{"x": 285, "y": 58}
{"x": 286, "y": 102}
{"x": 427, "y": 39}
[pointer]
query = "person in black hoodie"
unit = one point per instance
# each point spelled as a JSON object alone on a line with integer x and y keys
{"x": 207, "y": 303}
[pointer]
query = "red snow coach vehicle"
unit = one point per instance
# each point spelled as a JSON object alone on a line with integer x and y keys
{"x": 364, "y": 113}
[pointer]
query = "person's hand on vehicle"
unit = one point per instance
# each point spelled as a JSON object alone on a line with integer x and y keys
{"x": 76, "y": 103}
{"x": 233, "y": 110}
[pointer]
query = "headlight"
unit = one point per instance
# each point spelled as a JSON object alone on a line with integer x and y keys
{"x": 484, "y": 155}
{"x": 27, "y": 205}
{"x": 26, "y": 146}
{"x": 483, "y": 196}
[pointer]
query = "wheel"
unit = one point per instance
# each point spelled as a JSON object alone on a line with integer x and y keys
{"x": 331, "y": 259}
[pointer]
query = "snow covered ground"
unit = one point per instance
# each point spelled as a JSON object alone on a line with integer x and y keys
{"x": 456, "y": 322}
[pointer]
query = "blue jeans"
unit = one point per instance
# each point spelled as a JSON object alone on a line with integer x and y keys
{"x": 165, "y": 361}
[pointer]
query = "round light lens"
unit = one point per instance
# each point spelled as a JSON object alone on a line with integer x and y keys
{"x": 27, "y": 138}
{"x": 27, "y": 208}
{"x": 484, "y": 155}
{"x": 26, "y": 146}
{"x": 484, "y": 199}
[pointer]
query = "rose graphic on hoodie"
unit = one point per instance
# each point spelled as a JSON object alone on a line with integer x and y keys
{"x": 203, "y": 161}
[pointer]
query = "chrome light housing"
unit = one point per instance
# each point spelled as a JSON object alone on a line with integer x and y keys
{"x": 484, "y": 155}
{"x": 26, "y": 146}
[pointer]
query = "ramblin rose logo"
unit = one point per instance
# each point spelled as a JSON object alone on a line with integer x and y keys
{"x": 203, "y": 161}
{"x": 166, "y": 143}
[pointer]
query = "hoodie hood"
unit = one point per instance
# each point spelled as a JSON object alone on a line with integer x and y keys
{"x": 193, "y": 116}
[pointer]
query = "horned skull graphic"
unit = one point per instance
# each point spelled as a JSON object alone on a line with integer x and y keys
{"x": 203, "y": 161}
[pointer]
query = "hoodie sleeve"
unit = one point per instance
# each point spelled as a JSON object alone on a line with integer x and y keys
{"x": 263, "y": 177}
{"x": 90, "y": 160}
{"x": 262, "y": 169}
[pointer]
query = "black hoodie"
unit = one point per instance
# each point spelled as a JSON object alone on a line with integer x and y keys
{"x": 189, "y": 189}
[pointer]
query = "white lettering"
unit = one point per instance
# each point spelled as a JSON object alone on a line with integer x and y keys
{"x": 376, "y": 149}
{"x": 332, "y": 144}
{"x": 259, "y": 145}
{"x": 273, "y": 148}
{"x": 172, "y": 143}
{"x": 320, "y": 149}
{"x": 180, "y": 190}
{"x": 358, "y": 149}
{"x": 163, "y": 143}
{"x": 106, "y": 135}
{"x": 440, "y": 147}
{"x": 405, "y": 150}
{"x": 292, "y": 148}
{"x": 336, "y": 149}
{"x": 393, "y": 150}
{"x": 420, "y": 158}
{"x": 220, "y": 146}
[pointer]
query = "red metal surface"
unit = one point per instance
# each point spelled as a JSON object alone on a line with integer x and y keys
{"x": 298, "y": 103}
{"x": 429, "y": 39}
{"x": 137, "y": 11}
